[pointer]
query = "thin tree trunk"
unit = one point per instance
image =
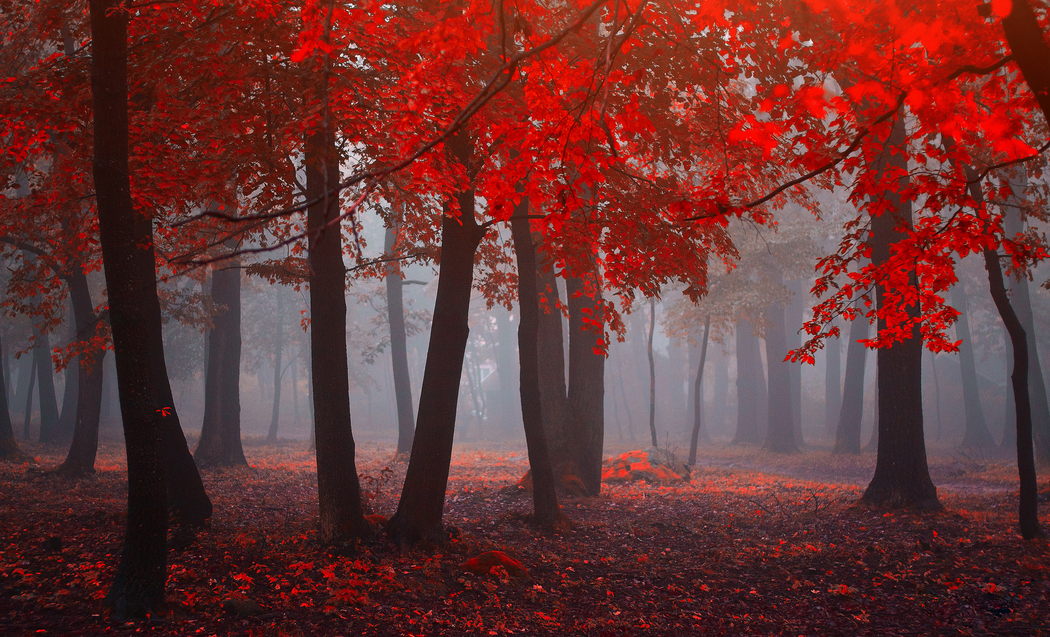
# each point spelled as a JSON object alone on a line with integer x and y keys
{"x": 544, "y": 494}
{"x": 278, "y": 371}
{"x": 793, "y": 316}
{"x": 832, "y": 385}
{"x": 1009, "y": 439}
{"x": 419, "y": 512}
{"x": 82, "y": 451}
{"x": 937, "y": 393}
{"x": 220, "y": 441}
{"x": 29, "y": 400}
{"x": 698, "y": 396}
{"x": 977, "y": 434}
{"x": 395, "y": 305}
{"x": 652, "y": 373}
{"x": 9, "y": 450}
{"x": 780, "y": 435}
{"x": 554, "y": 397}
{"x": 902, "y": 476}
{"x": 847, "y": 433}
{"x": 587, "y": 376}
{"x": 48, "y": 400}
{"x": 750, "y": 386}
{"x": 338, "y": 487}
{"x": 1028, "y": 514}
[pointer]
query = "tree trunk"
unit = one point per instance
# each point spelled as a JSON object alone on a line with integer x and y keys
{"x": 338, "y": 488}
{"x": 832, "y": 384}
{"x": 67, "y": 414}
{"x": 977, "y": 434}
{"x": 780, "y": 435}
{"x": 544, "y": 494}
{"x": 395, "y": 305}
{"x": 1028, "y": 514}
{"x": 419, "y": 512}
{"x": 1009, "y": 439}
{"x": 652, "y": 373}
{"x": 28, "y": 421}
{"x": 1013, "y": 223}
{"x": 128, "y": 259}
{"x": 902, "y": 476}
{"x": 698, "y": 396}
{"x": 554, "y": 398}
{"x": 45, "y": 373}
{"x": 587, "y": 375}
{"x": 847, "y": 433}
{"x": 9, "y": 450}
{"x": 220, "y": 442}
{"x": 506, "y": 370}
{"x": 1030, "y": 51}
{"x": 82, "y": 451}
{"x": 750, "y": 386}
{"x": 937, "y": 393}
{"x": 793, "y": 316}
{"x": 278, "y": 371}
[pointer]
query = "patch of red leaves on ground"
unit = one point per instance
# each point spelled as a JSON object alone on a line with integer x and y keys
{"x": 731, "y": 551}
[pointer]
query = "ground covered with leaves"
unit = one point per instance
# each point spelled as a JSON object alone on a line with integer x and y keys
{"x": 751, "y": 543}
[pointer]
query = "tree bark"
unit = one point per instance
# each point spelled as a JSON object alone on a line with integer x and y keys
{"x": 9, "y": 450}
{"x": 977, "y": 434}
{"x": 587, "y": 375}
{"x": 338, "y": 487}
{"x": 278, "y": 372}
{"x": 652, "y": 373}
{"x": 48, "y": 400}
{"x": 902, "y": 476}
{"x": 544, "y": 494}
{"x": 793, "y": 316}
{"x": 395, "y": 304}
{"x": 82, "y": 451}
{"x": 220, "y": 442}
{"x": 1028, "y": 514}
{"x": 698, "y": 396}
{"x": 847, "y": 433}
{"x": 128, "y": 259}
{"x": 28, "y": 420}
{"x": 832, "y": 384}
{"x": 780, "y": 435}
{"x": 1030, "y": 51}
{"x": 554, "y": 396}
{"x": 750, "y": 386}
{"x": 419, "y": 512}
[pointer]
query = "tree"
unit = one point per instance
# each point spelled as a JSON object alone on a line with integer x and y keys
{"x": 220, "y": 441}
{"x": 976, "y": 433}
{"x": 780, "y": 433}
{"x": 652, "y": 373}
{"x": 8, "y": 445}
{"x": 395, "y": 305}
{"x": 847, "y": 433}
{"x": 698, "y": 396}
{"x": 278, "y": 372}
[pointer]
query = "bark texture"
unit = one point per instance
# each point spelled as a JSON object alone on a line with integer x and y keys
{"x": 338, "y": 487}
{"x": 220, "y": 442}
{"x": 587, "y": 375}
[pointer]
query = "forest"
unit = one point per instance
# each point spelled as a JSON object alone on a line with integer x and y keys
{"x": 598, "y": 317}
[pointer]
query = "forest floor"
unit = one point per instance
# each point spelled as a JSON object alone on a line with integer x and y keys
{"x": 752, "y": 544}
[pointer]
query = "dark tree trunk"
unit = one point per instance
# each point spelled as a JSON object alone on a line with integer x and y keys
{"x": 1030, "y": 51}
{"x": 82, "y": 451}
{"x": 847, "y": 433}
{"x": 419, "y": 512}
{"x": 278, "y": 371}
{"x": 652, "y": 373}
{"x": 544, "y": 494}
{"x": 45, "y": 374}
{"x": 29, "y": 399}
{"x": 937, "y": 393}
{"x": 9, "y": 450}
{"x": 977, "y": 434}
{"x": 1013, "y": 223}
{"x": 506, "y": 370}
{"x": 554, "y": 397}
{"x": 1028, "y": 514}
{"x": 793, "y": 316}
{"x": 780, "y": 435}
{"x": 220, "y": 442}
{"x": 587, "y": 375}
{"x": 832, "y": 384}
{"x": 67, "y": 414}
{"x": 750, "y": 386}
{"x": 698, "y": 397}
{"x": 1009, "y": 439}
{"x": 128, "y": 259}
{"x": 26, "y": 377}
{"x": 338, "y": 487}
{"x": 395, "y": 304}
{"x": 902, "y": 476}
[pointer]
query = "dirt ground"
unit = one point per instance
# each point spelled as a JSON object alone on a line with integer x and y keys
{"x": 752, "y": 543}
